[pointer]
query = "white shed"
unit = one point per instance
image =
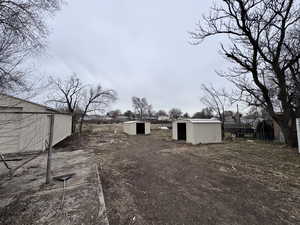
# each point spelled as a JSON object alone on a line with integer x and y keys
{"x": 197, "y": 131}
{"x": 136, "y": 127}
{"x": 25, "y": 125}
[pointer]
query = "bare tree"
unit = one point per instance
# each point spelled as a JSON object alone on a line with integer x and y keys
{"x": 114, "y": 113}
{"x": 67, "y": 95}
{"x": 205, "y": 113}
{"x": 95, "y": 99}
{"x": 264, "y": 49}
{"x": 141, "y": 106}
{"x": 175, "y": 113}
{"x": 186, "y": 115}
{"x": 130, "y": 115}
{"x": 23, "y": 32}
{"x": 161, "y": 113}
{"x": 215, "y": 100}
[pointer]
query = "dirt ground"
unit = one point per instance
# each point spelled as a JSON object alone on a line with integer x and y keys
{"x": 26, "y": 200}
{"x": 153, "y": 180}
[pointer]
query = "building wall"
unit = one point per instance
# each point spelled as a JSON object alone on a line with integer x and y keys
{"x": 9, "y": 130}
{"x": 206, "y": 133}
{"x": 62, "y": 127}
{"x": 7, "y": 101}
{"x": 147, "y": 128}
{"x": 34, "y": 132}
{"x": 190, "y": 133}
{"x": 189, "y": 130}
{"x": 129, "y": 128}
{"x": 174, "y": 130}
{"x": 29, "y": 132}
{"x": 197, "y": 133}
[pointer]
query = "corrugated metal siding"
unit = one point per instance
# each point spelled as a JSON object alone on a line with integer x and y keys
{"x": 30, "y": 129}
{"x": 10, "y": 130}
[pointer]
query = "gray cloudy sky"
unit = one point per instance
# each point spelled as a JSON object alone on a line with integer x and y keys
{"x": 137, "y": 47}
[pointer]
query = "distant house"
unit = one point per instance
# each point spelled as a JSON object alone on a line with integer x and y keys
{"x": 163, "y": 118}
{"x": 92, "y": 117}
{"x": 25, "y": 125}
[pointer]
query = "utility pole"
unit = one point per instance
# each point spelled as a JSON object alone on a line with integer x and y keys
{"x": 48, "y": 173}
{"x": 238, "y": 115}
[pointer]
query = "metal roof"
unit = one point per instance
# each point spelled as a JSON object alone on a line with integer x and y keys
{"x": 128, "y": 122}
{"x": 33, "y": 103}
{"x": 203, "y": 121}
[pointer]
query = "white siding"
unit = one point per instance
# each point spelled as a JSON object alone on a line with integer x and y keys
{"x": 130, "y": 127}
{"x": 62, "y": 127}
{"x": 34, "y": 132}
{"x": 10, "y": 130}
{"x": 206, "y": 133}
{"x": 199, "y": 132}
{"x": 147, "y": 128}
{"x": 190, "y": 134}
{"x": 30, "y": 130}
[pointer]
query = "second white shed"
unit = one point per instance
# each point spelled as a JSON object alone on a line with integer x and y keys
{"x": 197, "y": 131}
{"x": 136, "y": 127}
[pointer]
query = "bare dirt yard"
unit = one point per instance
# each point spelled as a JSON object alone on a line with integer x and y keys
{"x": 154, "y": 180}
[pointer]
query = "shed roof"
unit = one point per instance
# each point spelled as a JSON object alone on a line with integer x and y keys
{"x": 136, "y": 121}
{"x": 33, "y": 103}
{"x": 203, "y": 121}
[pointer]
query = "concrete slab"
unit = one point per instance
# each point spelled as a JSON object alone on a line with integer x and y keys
{"x": 26, "y": 200}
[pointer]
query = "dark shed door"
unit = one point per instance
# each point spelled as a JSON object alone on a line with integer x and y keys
{"x": 181, "y": 131}
{"x": 140, "y": 128}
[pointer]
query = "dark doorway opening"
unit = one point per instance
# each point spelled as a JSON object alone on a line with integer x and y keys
{"x": 181, "y": 131}
{"x": 140, "y": 128}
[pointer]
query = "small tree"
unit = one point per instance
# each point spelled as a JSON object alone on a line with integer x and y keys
{"x": 175, "y": 113}
{"x": 79, "y": 99}
{"x": 66, "y": 94}
{"x": 205, "y": 113}
{"x": 161, "y": 113}
{"x": 186, "y": 115}
{"x": 140, "y": 106}
{"x": 216, "y": 101}
{"x": 114, "y": 113}
{"x": 95, "y": 99}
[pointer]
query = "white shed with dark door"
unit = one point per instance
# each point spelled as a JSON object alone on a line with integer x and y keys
{"x": 136, "y": 127}
{"x": 25, "y": 125}
{"x": 197, "y": 131}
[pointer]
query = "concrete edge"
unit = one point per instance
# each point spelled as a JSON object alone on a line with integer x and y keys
{"x": 102, "y": 213}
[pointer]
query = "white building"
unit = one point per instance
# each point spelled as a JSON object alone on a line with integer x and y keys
{"x": 25, "y": 126}
{"x": 197, "y": 131}
{"x": 163, "y": 118}
{"x": 137, "y": 127}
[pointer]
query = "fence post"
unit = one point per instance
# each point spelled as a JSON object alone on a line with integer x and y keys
{"x": 48, "y": 173}
{"x": 298, "y": 132}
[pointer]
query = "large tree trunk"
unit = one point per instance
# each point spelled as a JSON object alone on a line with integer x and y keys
{"x": 288, "y": 129}
{"x": 74, "y": 120}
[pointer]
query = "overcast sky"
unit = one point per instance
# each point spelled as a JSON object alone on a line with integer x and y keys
{"x": 137, "y": 47}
